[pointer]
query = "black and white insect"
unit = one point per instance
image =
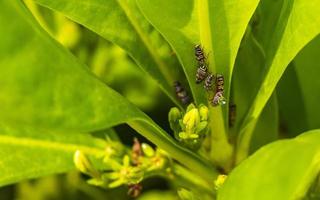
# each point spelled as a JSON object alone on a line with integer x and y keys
{"x": 208, "y": 82}
{"x": 218, "y": 98}
{"x": 181, "y": 93}
{"x": 199, "y": 53}
{"x": 202, "y": 70}
{"x": 232, "y": 114}
{"x": 219, "y": 83}
{"x": 202, "y": 73}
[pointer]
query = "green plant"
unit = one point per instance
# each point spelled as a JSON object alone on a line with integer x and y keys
{"x": 53, "y": 107}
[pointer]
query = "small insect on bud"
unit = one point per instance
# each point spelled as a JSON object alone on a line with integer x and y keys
{"x": 181, "y": 93}
{"x": 208, "y": 82}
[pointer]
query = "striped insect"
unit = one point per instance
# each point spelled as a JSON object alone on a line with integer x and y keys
{"x": 232, "y": 114}
{"x": 208, "y": 82}
{"x": 202, "y": 70}
{"x": 199, "y": 53}
{"x": 202, "y": 73}
{"x": 218, "y": 98}
{"x": 181, "y": 93}
{"x": 219, "y": 83}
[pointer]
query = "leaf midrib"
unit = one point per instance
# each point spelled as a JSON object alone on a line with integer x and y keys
{"x": 45, "y": 144}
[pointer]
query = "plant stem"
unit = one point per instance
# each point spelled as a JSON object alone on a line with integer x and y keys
{"x": 191, "y": 180}
{"x": 159, "y": 137}
{"x": 221, "y": 150}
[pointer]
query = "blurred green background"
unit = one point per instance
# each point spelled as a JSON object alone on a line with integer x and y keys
{"x": 115, "y": 68}
{"x": 297, "y": 95}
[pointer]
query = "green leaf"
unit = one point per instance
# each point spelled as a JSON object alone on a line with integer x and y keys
{"x": 121, "y": 23}
{"x": 250, "y": 61}
{"x": 31, "y": 153}
{"x": 267, "y": 127}
{"x": 307, "y": 69}
{"x": 180, "y": 28}
{"x": 283, "y": 170}
{"x": 219, "y": 28}
{"x": 155, "y": 195}
{"x": 292, "y": 103}
{"x": 45, "y": 88}
{"x": 295, "y": 15}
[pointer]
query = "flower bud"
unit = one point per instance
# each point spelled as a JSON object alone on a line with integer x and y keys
{"x": 147, "y": 150}
{"x": 83, "y": 164}
{"x": 191, "y": 119}
{"x": 219, "y": 181}
{"x": 203, "y": 110}
{"x": 174, "y": 117}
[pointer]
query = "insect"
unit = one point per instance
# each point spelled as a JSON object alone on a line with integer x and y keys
{"x": 218, "y": 98}
{"x": 199, "y": 53}
{"x": 219, "y": 83}
{"x": 208, "y": 82}
{"x": 181, "y": 93}
{"x": 232, "y": 114}
{"x": 202, "y": 70}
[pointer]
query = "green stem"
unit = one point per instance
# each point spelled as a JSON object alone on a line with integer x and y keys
{"x": 159, "y": 137}
{"x": 187, "y": 178}
{"x": 221, "y": 150}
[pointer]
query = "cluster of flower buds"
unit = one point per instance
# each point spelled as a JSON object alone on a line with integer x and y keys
{"x": 128, "y": 167}
{"x": 189, "y": 127}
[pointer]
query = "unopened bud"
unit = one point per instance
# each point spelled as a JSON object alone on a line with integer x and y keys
{"x": 174, "y": 117}
{"x": 83, "y": 164}
{"x": 147, "y": 150}
{"x": 203, "y": 110}
{"x": 191, "y": 119}
{"x": 219, "y": 181}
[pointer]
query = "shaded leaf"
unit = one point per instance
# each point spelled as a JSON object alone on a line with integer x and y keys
{"x": 121, "y": 23}
{"x": 307, "y": 69}
{"x": 297, "y": 25}
{"x": 250, "y": 60}
{"x": 48, "y": 89}
{"x": 218, "y": 27}
{"x": 292, "y": 106}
